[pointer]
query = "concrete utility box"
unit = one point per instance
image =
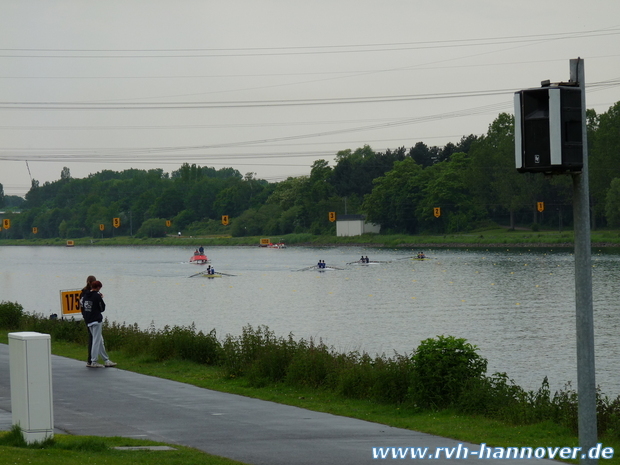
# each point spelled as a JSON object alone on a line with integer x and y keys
{"x": 355, "y": 225}
{"x": 31, "y": 384}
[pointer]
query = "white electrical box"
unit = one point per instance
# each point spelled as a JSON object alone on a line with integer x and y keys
{"x": 31, "y": 384}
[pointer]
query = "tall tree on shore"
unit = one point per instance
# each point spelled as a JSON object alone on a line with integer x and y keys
{"x": 603, "y": 159}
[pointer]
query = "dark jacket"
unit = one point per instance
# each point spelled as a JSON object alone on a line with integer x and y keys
{"x": 92, "y": 307}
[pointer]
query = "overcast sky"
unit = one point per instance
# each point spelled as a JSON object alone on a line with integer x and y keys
{"x": 271, "y": 86}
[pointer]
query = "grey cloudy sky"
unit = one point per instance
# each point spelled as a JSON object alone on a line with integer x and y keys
{"x": 269, "y": 86}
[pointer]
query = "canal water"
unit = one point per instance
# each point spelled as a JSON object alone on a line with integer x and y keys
{"x": 517, "y": 305}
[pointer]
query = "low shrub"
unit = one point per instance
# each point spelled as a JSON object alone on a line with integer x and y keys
{"x": 442, "y": 367}
{"x": 313, "y": 365}
{"x": 11, "y": 314}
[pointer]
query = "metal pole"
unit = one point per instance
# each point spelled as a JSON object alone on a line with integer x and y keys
{"x": 586, "y": 380}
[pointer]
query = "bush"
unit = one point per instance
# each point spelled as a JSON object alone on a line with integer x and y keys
{"x": 11, "y": 315}
{"x": 153, "y": 227}
{"x": 313, "y": 365}
{"x": 257, "y": 353}
{"x": 442, "y": 367}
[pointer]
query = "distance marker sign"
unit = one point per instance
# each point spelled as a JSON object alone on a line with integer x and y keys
{"x": 70, "y": 302}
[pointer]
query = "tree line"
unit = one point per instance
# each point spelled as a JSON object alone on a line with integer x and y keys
{"x": 472, "y": 184}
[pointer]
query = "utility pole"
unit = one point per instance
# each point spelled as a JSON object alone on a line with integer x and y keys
{"x": 586, "y": 378}
{"x": 551, "y": 137}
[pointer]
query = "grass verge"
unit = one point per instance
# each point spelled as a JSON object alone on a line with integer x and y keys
{"x": 492, "y": 237}
{"x": 445, "y": 423}
{"x": 78, "y": 450}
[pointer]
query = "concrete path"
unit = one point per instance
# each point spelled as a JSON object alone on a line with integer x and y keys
{"x": 114, "y": 402}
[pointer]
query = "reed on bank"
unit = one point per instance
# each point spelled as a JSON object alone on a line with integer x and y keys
{"x": 442, "y": 374}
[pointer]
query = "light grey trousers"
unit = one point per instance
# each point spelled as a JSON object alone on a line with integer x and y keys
{"x": 98, "y": 347}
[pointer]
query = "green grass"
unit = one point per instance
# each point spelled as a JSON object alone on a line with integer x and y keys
{"x": 80, "y": 450}
{"x": 492, "y": 237}
{"x": 446, "y": 423}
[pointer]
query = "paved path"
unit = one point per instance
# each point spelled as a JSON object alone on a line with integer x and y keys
{"x": 114, "y": 402}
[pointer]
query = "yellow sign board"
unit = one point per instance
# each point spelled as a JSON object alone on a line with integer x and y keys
{"x": 332, "y": 216}
{"x": 437, "y": 212}
{"x": 540, "y": 206}
{"x": 116, "y": 222}
{"x": 265, "y": 241}
{"x": 168, "y": 223}
{"x": 35, "y": 230}
{"x": 6, "y": 223}
{"x": 225, "y": 220}
{"x": 101, "y": 227}
{"x": 70, "y": 302}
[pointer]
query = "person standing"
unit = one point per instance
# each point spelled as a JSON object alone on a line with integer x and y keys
{"x": 93, "y": 309}
{"x": 86, "y": 288}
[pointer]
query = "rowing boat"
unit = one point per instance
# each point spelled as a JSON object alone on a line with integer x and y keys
{"x": 199, "y": 259}
{"x": 371, "y": 262}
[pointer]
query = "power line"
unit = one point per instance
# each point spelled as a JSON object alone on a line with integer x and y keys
{"x": 309, "y": 73}
{"x": 246, "y": 103}
{"x": 317, "y": 49}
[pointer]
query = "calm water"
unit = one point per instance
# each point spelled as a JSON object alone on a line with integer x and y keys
{"x": 516, "y": 305}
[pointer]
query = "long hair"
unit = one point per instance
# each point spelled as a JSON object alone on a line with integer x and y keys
{"x": 89, "y": 282}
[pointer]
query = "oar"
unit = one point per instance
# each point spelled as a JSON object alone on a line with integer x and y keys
{"x": 416, "y": 258}
{"x": 306, "y": 268}
{"x": 224, "y": 274}
{"x": 197, "y": 274}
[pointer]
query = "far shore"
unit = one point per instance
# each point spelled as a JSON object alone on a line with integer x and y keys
{"x": 488, "y": 238}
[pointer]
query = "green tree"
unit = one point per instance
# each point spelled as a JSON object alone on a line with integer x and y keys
{"x": 492, "y": 175}
{"x": 154, "y": 227}
{"x": 394, "y": 197}
{"x": 13, "y": 201}
{"x": 446, "y": 186}
{"x": 355, "y": 171}
{"x": 423, "y": 155}
{"x": 603, "y": 158}
{"x": 612, "y": 204}
{"x": 169, "y": 204}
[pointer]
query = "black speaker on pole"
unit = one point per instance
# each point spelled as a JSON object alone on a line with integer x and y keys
{"x": 548, "y": 130}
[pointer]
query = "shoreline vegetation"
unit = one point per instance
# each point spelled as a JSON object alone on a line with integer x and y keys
{"x": 441, "y": 388}
{"x": 483, "y": 238}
